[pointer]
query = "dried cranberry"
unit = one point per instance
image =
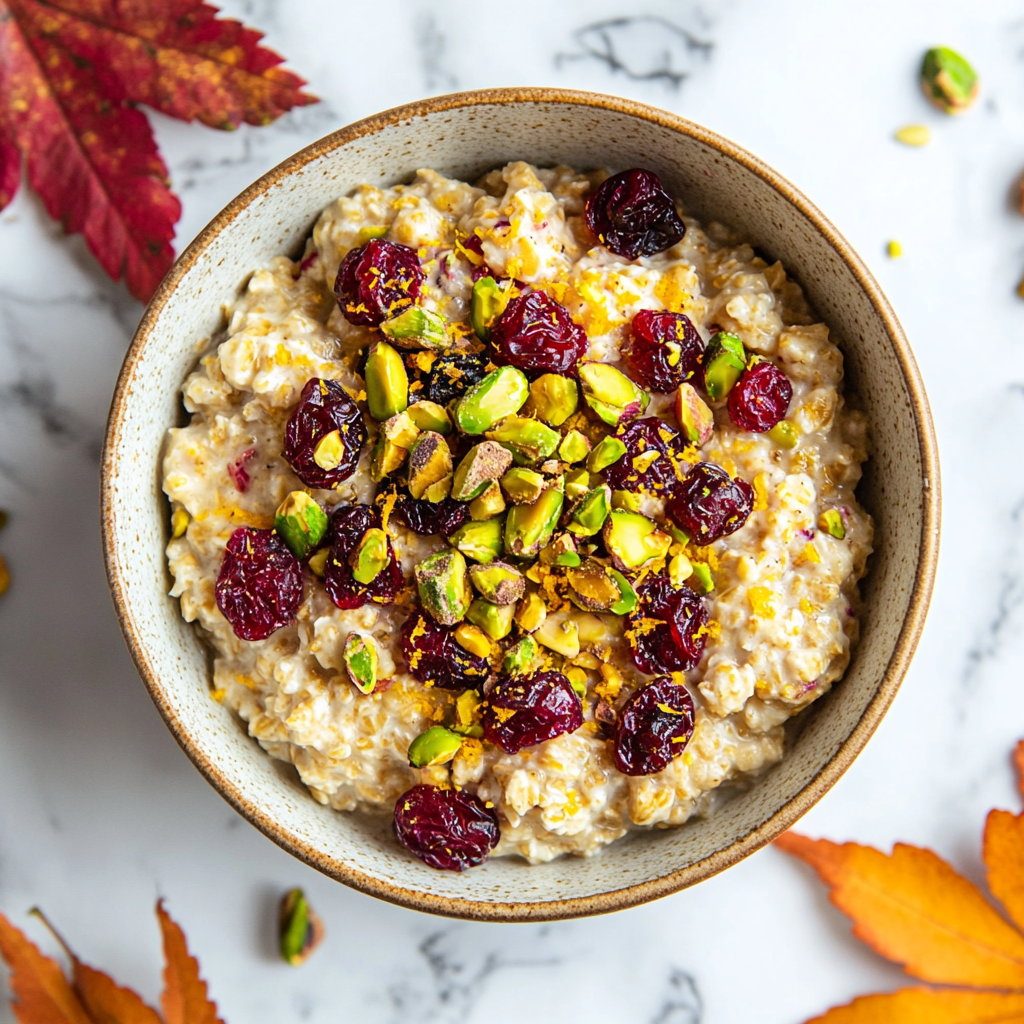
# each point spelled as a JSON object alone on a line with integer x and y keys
{"x": 655, "y": 725}
{"x": 663, "y": 350}
{"x": 760, "y": 397}
{"x": 543, "y": 705}
{"x": 347, "y": 526}
{"x": 451, "y": 376}
{"x": 710, "y": 504}
{"x": 324, "y": 406}
{"x": 435, "y": 656}
{"x": 663, "y": 474}
{"x": 537, "y": 334}
{"x": 259, "y": 586}
{"x": 430, "y": 517}
{"x": 377, "y": 281}
{"x": 632, "y": 215}
{"x": 448, "y": 829}
{"x": 237, "y": 471}
{"x": 666, "y": 629}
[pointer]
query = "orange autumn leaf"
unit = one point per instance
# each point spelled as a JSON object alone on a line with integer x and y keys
{"x": 929, "y": 1006}
{"x": 1003, "y": 850}
{"x": 184, "y": 999}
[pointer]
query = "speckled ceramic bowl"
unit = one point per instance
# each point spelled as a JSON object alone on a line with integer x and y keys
{"x": 464, "y": 135}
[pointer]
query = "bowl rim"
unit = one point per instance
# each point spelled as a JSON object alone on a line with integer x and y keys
{"x": 627, "y": 896}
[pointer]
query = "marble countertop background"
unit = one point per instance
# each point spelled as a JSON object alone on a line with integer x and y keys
{"x": 100, "y": 813}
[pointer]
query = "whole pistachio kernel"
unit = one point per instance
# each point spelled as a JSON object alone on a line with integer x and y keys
{"x": 416, "y": 327}
{"x": 587, "y": 517}
{"x": 473, "y": 639}
{"x": 490, "y": 504}
{"x": 301, "y": 523}
{"x": 531, "y": 612}
{"x": 607, "y": 451}
{"x": 725, "y": 358}
{"x": 523, "y": 486}
{"x": 329, "y": 451}
{"x": 628, "y": 599}
{"x": 574, "y": 447}
{"x": 498, "y": 582}
{"x": 553, "y": 398}
{"x": 696, "y": 420}
{"x": 179, "y": 522}
{"x": 494, "y": 619}
{"x": 486, "y": 304}
{"x": 948, "y": 80}
{"x": 429, "y": 415}
{"x": 785, "y": 434}
{"x": 480, "y": 541}
{"x": 611, "y": 394}
{"x": 430, "y": 463}
{"x": 520, "y": 656}
{"x": 299, "y": 928}
{"x": 831, "y": 521}
{"x": 443, "y": 583}
{"x": 361, "y": 664}
{"x": 387, "y": 383}
{"x": 529, "y": 527}
{"x": 370, "y": 557}
{"x": 528, "y": 440}
{"x": 482, "y": 464}
{"x": 435, "y": 746}
{"x": 501, "y": 393}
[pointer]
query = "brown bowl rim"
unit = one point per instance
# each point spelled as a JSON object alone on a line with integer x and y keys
{"x": 628, "y": 896}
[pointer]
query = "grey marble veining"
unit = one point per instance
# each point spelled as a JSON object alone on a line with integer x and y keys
{"x": 100, "y": 812}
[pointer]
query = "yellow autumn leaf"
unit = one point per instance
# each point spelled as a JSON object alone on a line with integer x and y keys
{"x": 1003, "y": 850}
{"x": 929, "y": 1006}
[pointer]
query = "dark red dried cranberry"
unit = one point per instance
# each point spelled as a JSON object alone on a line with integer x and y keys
{"x": 451, "y": 376}
{"x": 710, "y": 504}
{"x": 760, "y": 397}
{"x": 448, "y": 829}
{"x": 430, "y": 517}
{"x": 259, "y": 586}
{"x": 666, "y": 631}
{"x": 655, "y": 725}
{"x": 632, "y": 215}
{"x": 324, "y": 406}
{"x": 377, "y": 281}
{"x": 544, "y": 705}
{"x": 347, "y": 526}
{"x": 435, "y": 656}
{"x": 537, "y": 334}
{"x": 663, "y": 350}
{"x": 664, "y": 473}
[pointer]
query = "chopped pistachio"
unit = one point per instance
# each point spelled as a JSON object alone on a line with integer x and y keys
{"x": 531, "y": 612}
{"x": 574, "y": 447}
{"x": 329, "y": 451}
{"x": 387, "y": 383}
{"x": 588, "y": 515}
{"x": 702, "y": 577}
{"x": 300, "y": 929}
{"x": 724, "y": 361}
{"x": 679, "y": 569}
{"x": 501, "y": 393}
{"x": 948, "y": 80}
{"x": 561, "y": 551}
{"x": 435, "y": 746}
{"x": 443, "y": 583}
{"x": 490, "y": 504}
{"x": 494, "y": 619}
{"x": 553, "y": 398}
{"x": 486, "y": 304}
{"x": 498, "y": 582}
{"x": 430, "y": 416}
{"x": 628, "y": 500}
{"x": 528, "y": 440}
{"x": 593, "y": 589}
{"x": 480, "y": 541}
{"x": 401, "y": 430}
{"x": 578, "y": 681}
{"x": 577, "y": 483}
{"x": 361, "y": 662}
{"x": 482, "y": 464}
{"x": 370, "y": 232}
{"x": 385, "y": 458}
{"x": 523, "y": 486}
{"x": 785, "y": 434}
{"x": 633, "y": 540}
{"x": 678, "y": 534}
{"x": 520, "y": 656}
{"x": 467, "y": 706}
{"x": 473, "y": 639}
{"x": 179, "y": 522}
{"x": 430, "y": 463}
{"x": 559, "y": 634}
{"x": 416, "y": 327}
{"x": 529, "y": 527}
{"x": 611, "y": 394}
{"x": 831, "y": 521}
{"x": 627, "y": 595}
{"x": 696, "y": 420}
{"x": 318, "y": 562}
{"x": 914, "y": 135}
{"x": 301, "y": 523}
{"x": 608, "y": 450}
{"x": 370, "y": 557}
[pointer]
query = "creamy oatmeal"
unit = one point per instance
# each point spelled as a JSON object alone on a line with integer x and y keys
{"x": 537, "y": 484}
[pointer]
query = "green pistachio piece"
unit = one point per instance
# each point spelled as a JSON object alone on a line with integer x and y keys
{"x": 487, "y": 303}
{"x": 498, "y": 582}
{"x": 416, "y": 327}
{"x": 500, "y": 394}
{"x": 724, "y": 360}
{"x": 577, "y": 483}
{"x": 385, "y": 458}
{"x": 430, "y": 416}
{"x": 480, "y": 541}
{"x": 633, "y": 540}
{"x": 329, "y": 451}
{"x": 531, "y": 612}
{"x": 443, "y": 583}
{"x": 430, "y": 464}
{"x": 299, "y": 928}
{"x": 611, "y": 394}
{"x": 318, "y": 562}
{"x": 553, "y": 398}
{"x": 608, "y": 450}
{"x": 593, "y": 588}
{"x": 680, "y": 569}
{"x": 490, "y": 504}
{"x": 575, "y": 447}
{"x": 627, "y": 595}
{"x": 371, "y": 556}
{"x": 561, "y": 551}
{"x": 387, "y": 383}
{"x": 482, "y": 464}
{"x": 948, "y": 80}
{"x": 679, "y": 535}
{"x": 520, "y": 656}
{"x": 523, "y": 486}
{"x": 628, "y": 500}
{"x": 360, "y": 657}
{"x": 494, "y": 619}
{"x": 435, "y": 746}
{"x": 696, "y": 420}
{"x": 831, "y": 521}
{"x": 371, "y": 231}
{"x": 703, "y": 578}
{"x": 467, "y": 704}
{"x": 301, "y": 523}
{"x": 785, "y": 434}
{"x": 528, "y": 440}
{"x": 401, "y": 430}
{"x": 588, "y": 515}
{"x": 529, "y": 527}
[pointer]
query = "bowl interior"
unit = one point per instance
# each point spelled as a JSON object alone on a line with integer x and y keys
{"x": 464, "y": 136}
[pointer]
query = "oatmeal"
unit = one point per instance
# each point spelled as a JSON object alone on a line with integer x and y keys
{"x": 522, "y": 510}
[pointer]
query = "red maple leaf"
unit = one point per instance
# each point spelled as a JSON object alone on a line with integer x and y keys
{"x": 70, "y": 74}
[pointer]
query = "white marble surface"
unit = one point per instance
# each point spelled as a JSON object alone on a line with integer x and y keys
{"x": 100, "y": 812}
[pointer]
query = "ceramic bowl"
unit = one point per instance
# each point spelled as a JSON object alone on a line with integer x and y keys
{"x": 464, "y": 135}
